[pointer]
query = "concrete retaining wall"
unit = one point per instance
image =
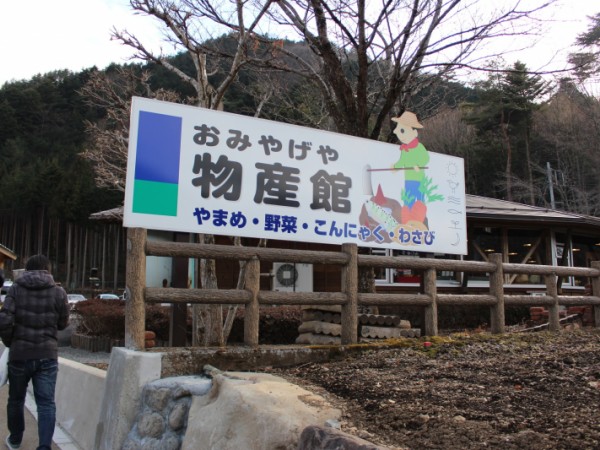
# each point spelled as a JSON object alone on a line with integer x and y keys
{"x": 79, "y": 394}
{"x": 128, "y": 372}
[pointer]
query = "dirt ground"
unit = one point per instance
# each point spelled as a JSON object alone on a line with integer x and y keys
{"x": 469, "y": 391}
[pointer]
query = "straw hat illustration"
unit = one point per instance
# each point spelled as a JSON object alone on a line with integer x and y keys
{"x": 409, "y": 119}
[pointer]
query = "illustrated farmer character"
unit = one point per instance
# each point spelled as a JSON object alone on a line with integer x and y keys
{"x": 392, "y": 214}
{"x": 413, "y": 160}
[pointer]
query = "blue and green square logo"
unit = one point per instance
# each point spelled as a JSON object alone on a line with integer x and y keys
{"x": 156, "y": 185}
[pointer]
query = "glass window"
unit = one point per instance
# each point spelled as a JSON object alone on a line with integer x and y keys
{"x": 409, "y": 276}
{"x": 483, "y": 242}
{"x": 448, "y": 275}
{"x": 584, "y": 252}
{"x": 564, "y": 251}
{"x": 405, "y": 275}
{"x": 381, "y": 273}
{"x": 521, "y": 247}
{"x": 526, "y": 247}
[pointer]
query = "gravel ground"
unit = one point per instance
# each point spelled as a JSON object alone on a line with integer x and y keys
{"x": 537, "y": 391}
{"x": 520, "y": 391}
{"x": 92, "y": 358}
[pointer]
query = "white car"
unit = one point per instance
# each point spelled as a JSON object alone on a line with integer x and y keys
{"x": 4, "y": 289}
{"x": 107, "y": 297}
{"x": 75, "y": 298}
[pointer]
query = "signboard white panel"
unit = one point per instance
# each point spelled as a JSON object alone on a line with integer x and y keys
{"x": 202, "y": 171}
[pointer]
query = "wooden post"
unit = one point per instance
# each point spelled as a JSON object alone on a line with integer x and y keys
{"x": 252, "y": 314}
{"x": 497, "y": 318}
{"x": 505, "y": 251}
{"x": 350, "y": 288}
{"x": 553, "y": 314}
{"x": 179, "y": 311}
{"x": 135, "y": 311}
{"x": 596, "y": 293}
{"x": 431, "y": 311}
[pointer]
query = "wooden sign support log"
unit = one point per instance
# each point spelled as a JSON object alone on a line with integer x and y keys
{"x": 431, "y": 311}
{"x": 553, "y": 309}
{"x": 596, "y": 292}
{"x": 135, "y": 312}
{"x": 252, "y": 315}
{"x": 497, "y": 317}
{"x": 350, "y": 288}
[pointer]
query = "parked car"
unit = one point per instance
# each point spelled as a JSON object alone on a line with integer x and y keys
{"x": 107, "y": 297}
{"x": 4, "y": 289}
{"x": 75, "y": 298}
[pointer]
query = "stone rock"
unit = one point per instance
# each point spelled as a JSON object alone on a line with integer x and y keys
{"x": 178, "y": 415}
{"x": 318, "y": 339}
{"x": 128, "y": 372}
{"x": 130, "y": 444}
{"x": 157, "y": 399}
{"x": 152, "y": 444}
{"x": 333, "y": 424}
{"x": 152, "y": 425}
{"x": 170, "y": 443}
{"x": 185, "y": 386}
{"x": 326, "y": 438}
{"x": 166, "y": 401}
{"x": 253, "y": 411}
{"x": 423, "y": 418}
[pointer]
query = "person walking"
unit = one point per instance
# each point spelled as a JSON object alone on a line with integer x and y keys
{"x": 39, "y": 308}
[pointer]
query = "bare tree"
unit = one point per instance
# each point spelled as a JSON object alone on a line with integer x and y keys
{"x": 108, "y": 139}
{"x": 367, "y": 62}
{"x": 569, "y": 123}
{"x": 191, "y": 26}
{"x": 373, "y": 60}
{"x": 287, "y": 98}
{"x": 448, "y": 133}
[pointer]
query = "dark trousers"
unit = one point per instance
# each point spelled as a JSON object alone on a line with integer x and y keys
{"x": 42, "y": 373}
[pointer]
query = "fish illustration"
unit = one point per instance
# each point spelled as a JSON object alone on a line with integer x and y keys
{"x": 382, "y": 215}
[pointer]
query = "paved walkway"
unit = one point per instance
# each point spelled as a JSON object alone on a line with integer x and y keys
{"x": 30, "y": 439}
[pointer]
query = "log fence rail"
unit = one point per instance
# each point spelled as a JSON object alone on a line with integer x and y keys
{"x": 138, "y": 247}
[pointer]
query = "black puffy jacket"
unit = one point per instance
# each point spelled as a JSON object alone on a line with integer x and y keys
{"x": 39, "y": 308}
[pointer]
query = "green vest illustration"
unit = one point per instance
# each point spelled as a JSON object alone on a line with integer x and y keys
{"x": 395, "y": 212}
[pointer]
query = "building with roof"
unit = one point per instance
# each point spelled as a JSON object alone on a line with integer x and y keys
{"x": 522, "y": 233}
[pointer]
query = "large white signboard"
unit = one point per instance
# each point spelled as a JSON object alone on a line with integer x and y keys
{"x": 202, "y": 171}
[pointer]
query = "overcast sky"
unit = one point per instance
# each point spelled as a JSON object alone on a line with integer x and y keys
{"x": 39, "y": 36}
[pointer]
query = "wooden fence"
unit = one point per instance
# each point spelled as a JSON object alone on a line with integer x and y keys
{"x": 138, "y": 247}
